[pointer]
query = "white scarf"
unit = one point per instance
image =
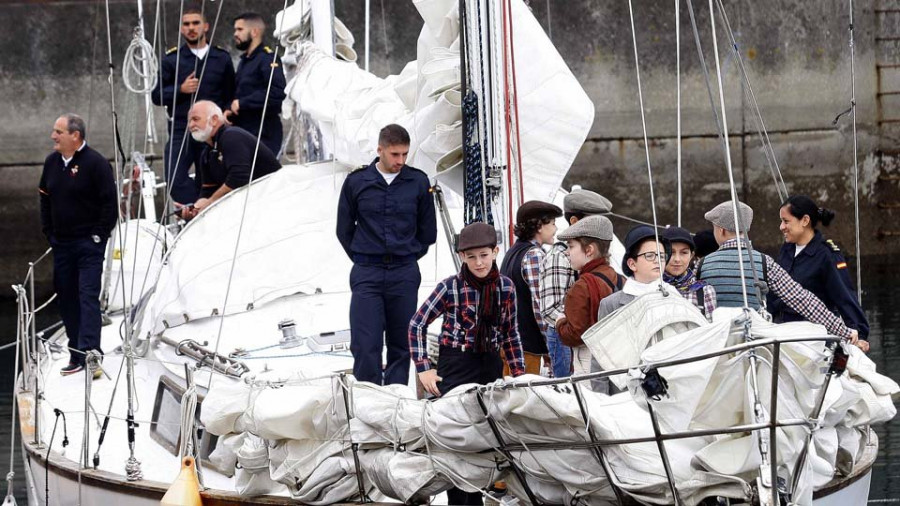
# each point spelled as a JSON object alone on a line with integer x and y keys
{"x": 636, "y": 288}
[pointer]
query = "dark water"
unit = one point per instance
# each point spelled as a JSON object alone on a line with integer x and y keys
{"x": 880, "y": 298}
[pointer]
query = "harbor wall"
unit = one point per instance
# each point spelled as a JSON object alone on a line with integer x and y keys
{"x": 796, "y": 55}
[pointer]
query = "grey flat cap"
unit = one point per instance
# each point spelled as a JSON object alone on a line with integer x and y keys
{"x": 586, "y": 202}
{"x": 595, "y": 226}
{"x": 723, "y": 216}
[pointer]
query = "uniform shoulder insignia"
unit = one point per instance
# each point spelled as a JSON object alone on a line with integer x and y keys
{"x": 267, "y": 49}
{"x": 220, "y": 48}
{"x": 361, "y": 167}
{"x": 172, "y": 50}
{"x": 834, "y": 247}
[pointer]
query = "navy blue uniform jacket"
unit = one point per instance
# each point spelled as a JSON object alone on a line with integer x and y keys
{"x": 216, "y": 84}
{"x": 375, "y": 218}
{"x": 251, "y": 83}
{"x": 821, "y": 269}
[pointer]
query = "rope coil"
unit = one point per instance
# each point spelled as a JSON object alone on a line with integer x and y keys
{"x": 140, "y": 64}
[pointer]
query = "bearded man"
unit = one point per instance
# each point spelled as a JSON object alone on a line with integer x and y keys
{"x": 257, "y": 67}
{"x": 229, "y": 158}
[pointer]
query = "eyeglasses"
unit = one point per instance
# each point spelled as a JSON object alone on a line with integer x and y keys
{"x": 650, "y": 256}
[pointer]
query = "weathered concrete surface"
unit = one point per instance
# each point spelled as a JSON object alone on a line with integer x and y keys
{"x": 796, "y": 55}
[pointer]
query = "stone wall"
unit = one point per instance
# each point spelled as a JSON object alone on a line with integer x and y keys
{"x": 796, "y": 54}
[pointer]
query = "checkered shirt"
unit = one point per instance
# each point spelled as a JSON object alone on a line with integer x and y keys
{"x": 458, "y": 302}
{"x": 557, "y": 277}
{"x": 798, "y": 298}
{"x": 531, "y": 273}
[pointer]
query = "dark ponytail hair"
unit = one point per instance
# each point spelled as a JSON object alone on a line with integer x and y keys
{"x": 801, "y": 205}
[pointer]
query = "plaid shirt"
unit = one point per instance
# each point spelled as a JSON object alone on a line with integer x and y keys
{"x": 531, "y": 272}
{"x": 798, "y": 298}
{"x": 708, "y": 304}
{"x": 458, "y": 302}
{"x": 557, "y": 277}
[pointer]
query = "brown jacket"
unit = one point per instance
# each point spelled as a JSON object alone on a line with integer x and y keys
{"x": 583, "y": 300}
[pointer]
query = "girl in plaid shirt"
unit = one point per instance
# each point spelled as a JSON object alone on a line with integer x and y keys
{"x": 680, "y": 272}
{"x": 479, "y": 310}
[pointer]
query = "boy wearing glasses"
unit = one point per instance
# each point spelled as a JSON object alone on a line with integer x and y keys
{"x": 642, "y": 266}
{"x": 588, "y": 243}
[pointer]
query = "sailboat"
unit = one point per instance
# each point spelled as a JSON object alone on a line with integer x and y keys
{"x": 228, "y": 349}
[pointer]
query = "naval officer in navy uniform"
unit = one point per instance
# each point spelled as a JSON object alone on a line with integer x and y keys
{"x": 252, "y": 83}
{"x": 385, "y": 222}
{"x": 204, "y": 73}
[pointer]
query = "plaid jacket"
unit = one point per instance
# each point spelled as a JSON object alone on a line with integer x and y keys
{"x": 798, "y": 298}
{"x": 557, "y": 277}
{"x": 458, "y": 303}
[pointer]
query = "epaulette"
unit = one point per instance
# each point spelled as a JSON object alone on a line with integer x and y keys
{"x": 267, "y": 49}
{"x": 172, "y": 50}
{"x": 834, "y": 247}
{"x": 361, "y": 167}
{"x": 222, "y": 48}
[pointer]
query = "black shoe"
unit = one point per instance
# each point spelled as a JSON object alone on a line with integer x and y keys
{"x": 71, "y": 369}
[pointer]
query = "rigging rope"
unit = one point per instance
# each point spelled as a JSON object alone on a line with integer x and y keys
{"x": 637, "y": 68}
{"x": 678, "y": 100}
{"x": 240, "y": 229}
{"x": 761, "y": 131}
{"x": 855, "y": 161}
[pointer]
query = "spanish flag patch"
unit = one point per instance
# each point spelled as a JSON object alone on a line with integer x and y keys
{"x": 841, "y": 265}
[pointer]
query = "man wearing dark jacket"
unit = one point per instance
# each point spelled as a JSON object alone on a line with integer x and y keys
{"x": 229, "y": 159}
{"x": 78, "y": 212}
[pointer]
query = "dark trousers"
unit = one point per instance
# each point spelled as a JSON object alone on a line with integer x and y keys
{"x": 457, "y": 367}
{"x": 184, "y": 189}
{"x": 77, "y": 273}
{"x": 383, "y": 302}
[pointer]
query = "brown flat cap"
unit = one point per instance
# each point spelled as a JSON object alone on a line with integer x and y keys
{"x": 535, "y": 209}
{"x": 476, "y": 235}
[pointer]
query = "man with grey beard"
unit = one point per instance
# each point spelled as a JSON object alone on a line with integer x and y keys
{"x": 227, "y": 161}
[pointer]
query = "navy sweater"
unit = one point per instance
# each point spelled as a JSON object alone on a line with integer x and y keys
{"x": 78, "y": 200}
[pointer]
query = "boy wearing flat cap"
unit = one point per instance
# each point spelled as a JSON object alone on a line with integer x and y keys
{"x": 588, "y": 250}
{"x": 479, "y": 310}
{"x": 721, "y": 269}
{"x": 535, "y": 227}
{"x": 558, "y": 276}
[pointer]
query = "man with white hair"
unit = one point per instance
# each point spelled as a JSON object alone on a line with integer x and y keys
{"x": 230, "y": 158}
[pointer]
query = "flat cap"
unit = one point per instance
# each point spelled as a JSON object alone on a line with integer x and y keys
{"x": 476, "y": 235}
{"x": 723, "y": 216}
{"x": 535, "y": 209}
{"x": 595, "y": 227}
{"x": 678, "y": 234}
{"x": 586, "y": 202}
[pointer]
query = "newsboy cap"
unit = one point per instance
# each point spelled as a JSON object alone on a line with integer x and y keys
{"x": 476, "y": 235}
{"x": 595, "y": 227}
{"x": 586, "y": 202}
{"x": 535, "y": 209}
{"x": 723, "y": 216}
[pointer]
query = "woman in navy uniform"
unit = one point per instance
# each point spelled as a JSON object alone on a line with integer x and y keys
{"x": 817, "y": 264}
